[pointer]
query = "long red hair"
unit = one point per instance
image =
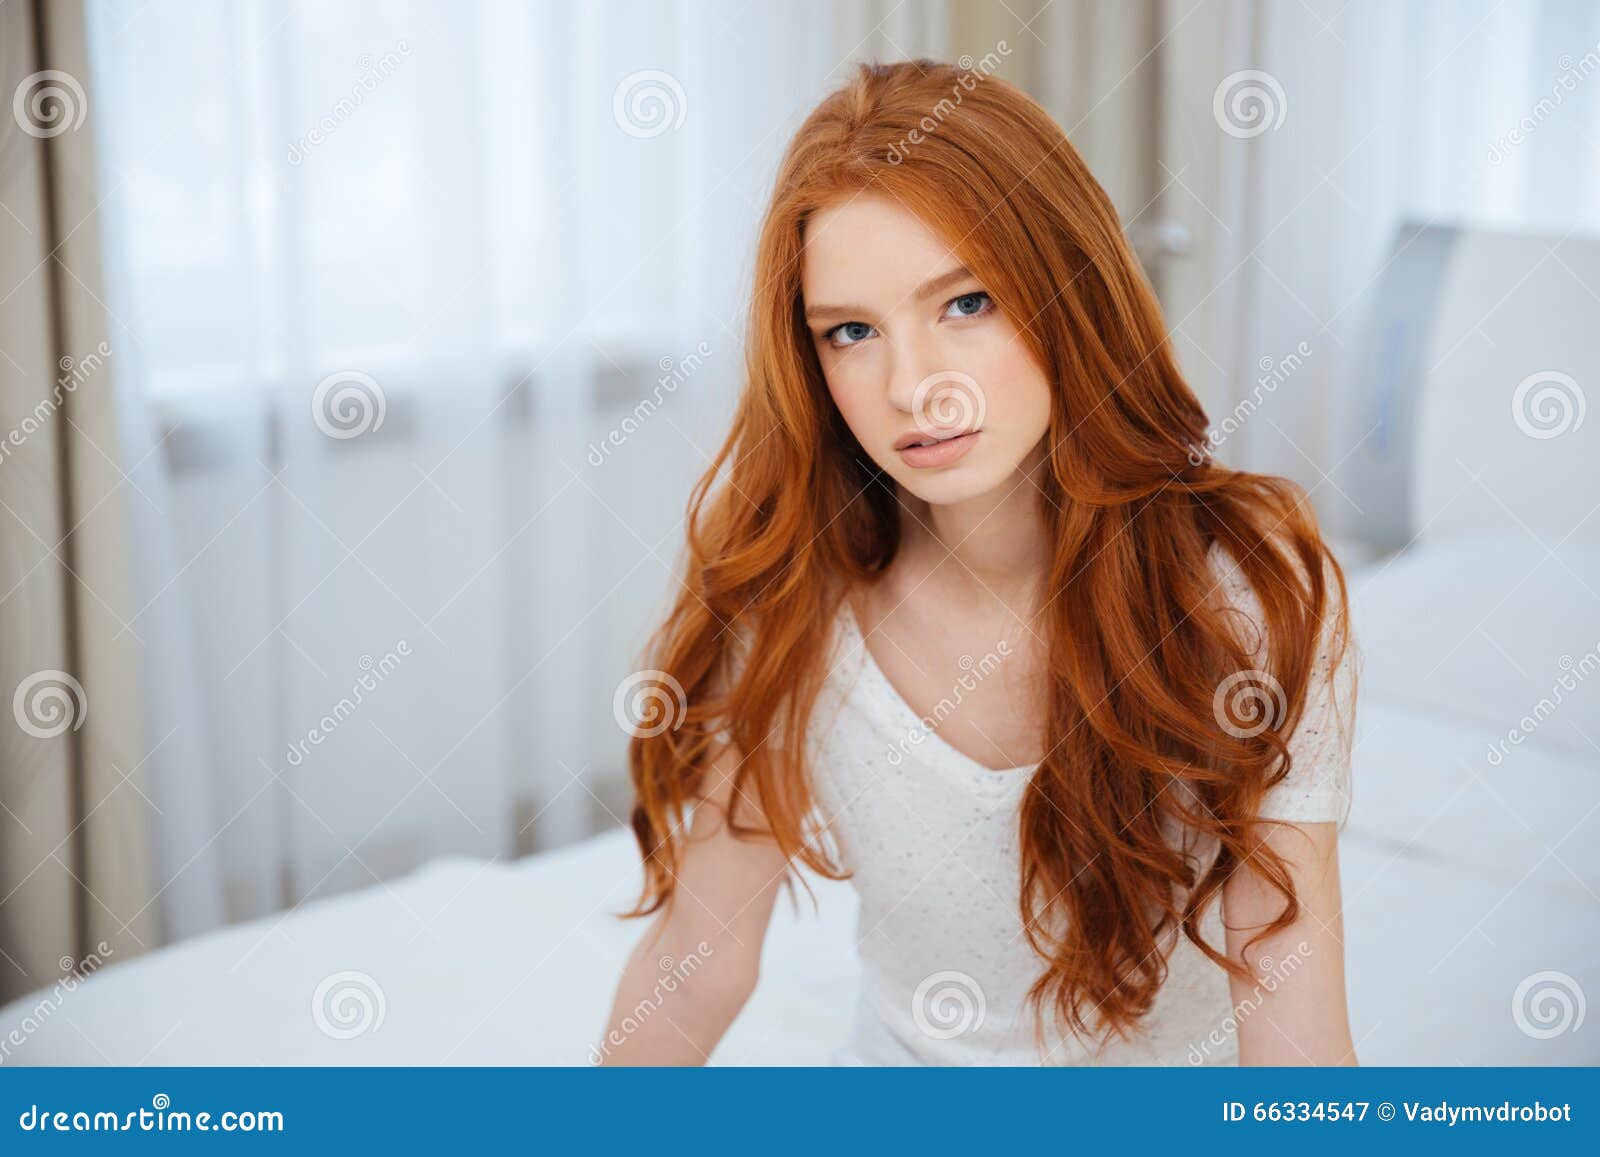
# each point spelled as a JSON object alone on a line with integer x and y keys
{"x": 1137, "y": 641}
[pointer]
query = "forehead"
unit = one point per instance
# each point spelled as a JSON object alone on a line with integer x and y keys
{"x": 868, "y": 247}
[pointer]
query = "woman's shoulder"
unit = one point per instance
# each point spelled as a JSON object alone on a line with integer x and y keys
{"x": 836, "y": 624}
{"x": 1232, "y": 583}
{"x": 1320, "y": 746}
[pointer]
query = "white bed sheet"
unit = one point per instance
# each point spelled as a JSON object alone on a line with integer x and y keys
{"x": 1461, "y": 880}
{"x": 478, "y": 963}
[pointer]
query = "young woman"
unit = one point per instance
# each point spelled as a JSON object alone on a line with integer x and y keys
{"x": 975, "y": 621}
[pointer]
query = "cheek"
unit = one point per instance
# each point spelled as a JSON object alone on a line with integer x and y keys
{"x": 1018, "y": 393}
{"x": 856, "y": 393}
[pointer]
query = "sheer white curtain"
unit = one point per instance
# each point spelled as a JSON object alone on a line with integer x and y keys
{"x": 384, "y": 277}
{"x": 1299, "y": 137}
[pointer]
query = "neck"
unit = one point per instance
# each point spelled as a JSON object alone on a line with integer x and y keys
{"x": 993, "y": 543}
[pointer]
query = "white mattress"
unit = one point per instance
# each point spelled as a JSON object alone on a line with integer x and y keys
{"x": 1461, "y": 878}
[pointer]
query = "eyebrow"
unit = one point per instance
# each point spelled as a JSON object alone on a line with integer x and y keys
{"x": 927, "y": 289}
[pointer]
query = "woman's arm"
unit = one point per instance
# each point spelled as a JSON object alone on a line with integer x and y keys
{"x": 697, "y": 964}
{"x": 1294, "y": 1013}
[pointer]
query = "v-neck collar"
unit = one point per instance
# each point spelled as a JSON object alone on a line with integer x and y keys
{"x": 902, "y": 716}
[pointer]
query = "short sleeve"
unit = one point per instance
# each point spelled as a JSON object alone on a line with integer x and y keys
{"x": 1318, "y": 785}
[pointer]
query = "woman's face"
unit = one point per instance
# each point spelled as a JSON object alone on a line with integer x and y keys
{"x": 933, "y": 380}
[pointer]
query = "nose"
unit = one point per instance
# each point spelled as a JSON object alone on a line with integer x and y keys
{"x": 939, "y": 398}
{"x": 911, "y": 367}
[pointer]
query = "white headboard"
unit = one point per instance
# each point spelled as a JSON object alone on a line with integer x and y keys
{"x": 1481, "y": 362}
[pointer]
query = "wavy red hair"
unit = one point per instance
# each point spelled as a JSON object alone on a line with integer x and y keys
{"x": 1138, "y": 642}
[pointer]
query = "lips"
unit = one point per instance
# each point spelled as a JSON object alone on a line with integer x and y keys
{"x": 920, "y": 454}
{"x": 918, "y": 438}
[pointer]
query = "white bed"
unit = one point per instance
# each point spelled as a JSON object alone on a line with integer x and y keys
{"x": 477, "y": 963}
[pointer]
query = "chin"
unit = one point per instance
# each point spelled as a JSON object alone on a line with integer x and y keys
{"x": 960, "y": 483}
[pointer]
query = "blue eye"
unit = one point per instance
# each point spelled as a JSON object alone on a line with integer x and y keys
{"x": 854, "y": 331}
{"x": 851, "y": 333}
{"x": 968, "y": 305}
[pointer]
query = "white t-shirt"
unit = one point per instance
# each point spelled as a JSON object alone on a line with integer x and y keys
{"x": 932, "y": 838}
